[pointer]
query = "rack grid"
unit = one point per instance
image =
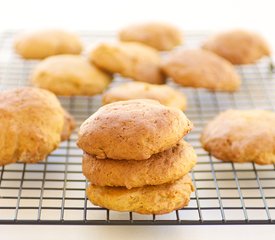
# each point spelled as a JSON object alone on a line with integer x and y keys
{"x": 53, "y": 191}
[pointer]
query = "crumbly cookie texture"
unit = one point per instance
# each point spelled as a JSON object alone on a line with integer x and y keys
{"x": 139, "y": 90}
{"x": 31, "y": 124}
{"x": 158, "y": 199}
{"x": 160, "y": 168}
{"x": 132, "y": 130}
{"x": 160, "y": 36}
{"x": 238, "y": 46}
{"x": 201, "y": 69}
{"x": 241, "y": 136}
{"x": 45, "y": 43}
{"x": 132, "y": 60}
{"x": 70, "y": 75}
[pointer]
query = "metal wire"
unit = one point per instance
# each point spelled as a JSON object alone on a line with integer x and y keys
{"x": 53, "y": 191}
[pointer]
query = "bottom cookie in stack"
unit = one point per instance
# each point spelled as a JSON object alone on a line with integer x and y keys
{"x": 157, "y": 184}
{"x": 154, "y": 199}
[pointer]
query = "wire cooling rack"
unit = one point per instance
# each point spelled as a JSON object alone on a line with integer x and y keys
{"x": 53, "y": 191}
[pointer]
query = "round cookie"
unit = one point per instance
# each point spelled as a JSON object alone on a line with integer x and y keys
{"x": 132, "y": 130}
{"x": 45, "y": 43}
{"x": 69, "y": 75}
{"x": 133, "y": 60}
{"x": 241, "y": 136}
{"x": 160, "y": 168}
{"x": 201, "y": 69}
{"x": 138, "y": 90}
{"x": 158, "y": 199}
{"x": 31, "y": 123}
{"x": 238, "y": 46}
{"x": 160, "y": 36}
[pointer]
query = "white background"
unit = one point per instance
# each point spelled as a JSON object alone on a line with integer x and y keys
{"x": 92, "y": 15}
{"x": 113, "y": 14}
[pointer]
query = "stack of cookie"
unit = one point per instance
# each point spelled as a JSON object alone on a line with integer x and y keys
{"x": 135, "y": 158}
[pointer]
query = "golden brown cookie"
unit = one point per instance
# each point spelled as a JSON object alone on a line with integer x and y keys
{"x": 45, "y": 43}
{"x": 133, "y": 60}
{"x": 160, "y": 168}
{"x": 138, "y": 90}
{"x": 132, "y": 130}
{"x": 241, "y": 136}
{"x": 69, "y": 75}
{"x": 238, "y": 46}
{"x": 31, "y": 123}
{"x": 161, "y": 36}
{"x": 158, "y": 199}
{"x": 201, "y": 69}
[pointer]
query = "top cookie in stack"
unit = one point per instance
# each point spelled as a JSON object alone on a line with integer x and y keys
{"x": 132, "y": 130}
{"x": 135, "y": 158}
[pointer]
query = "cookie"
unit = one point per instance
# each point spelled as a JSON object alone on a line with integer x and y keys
{"x": 238, "y": 46}
{"x": 45, "y": 43}
{"x": 158, "y": 199}
{"x": 201, "y": 69}
{"x": 160, "y": 36}
{"x": 241, "y": 136}
{"x": 69, "y": 75}
{"x": 138, "y": 90}
{"x": 131, "y": 60}
{"x": 31, "y": 124}
{"x": 132, "y": 130}
{"x": 160, "y": 168}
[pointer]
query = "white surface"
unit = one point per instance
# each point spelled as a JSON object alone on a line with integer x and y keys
{"x": 111, "y": 15}
{"x": 134, "y": 233}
